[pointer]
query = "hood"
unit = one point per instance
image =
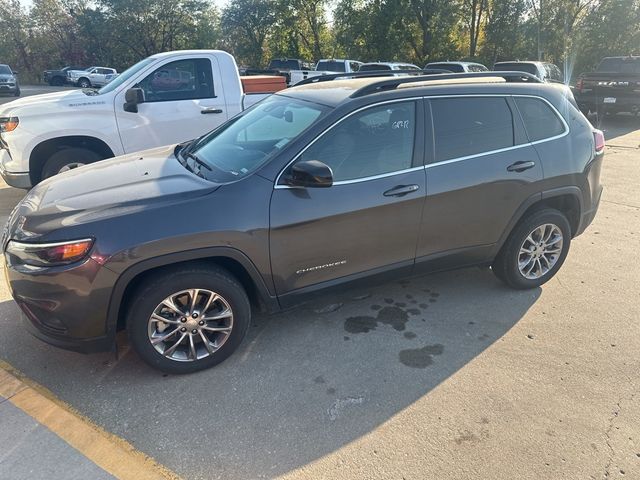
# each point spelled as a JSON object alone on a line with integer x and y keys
{"x": 68, "y": 98}
{"x": 115, "y": 187}
{"x": 6, "y": 76}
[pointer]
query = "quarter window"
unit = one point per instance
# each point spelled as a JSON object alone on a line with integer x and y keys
{"x": 470, "y": 126}
{"x": 539, "y": 119}
{"x": 373, "y": 142}
{"x": 179, "y": 80}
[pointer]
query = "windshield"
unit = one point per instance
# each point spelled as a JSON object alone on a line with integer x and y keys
{"x": 330, "y": 66}
{"x": 452, "y": 67}
{"x": 619, "y": 65}
{"x": 285, "y": 64}
{"x": 516, "y": 67}
{"x": 126, "y": 75}
{"x": 374, "y": 67}
{"x": 246, "y": 142}
{"x": 5, "y": 70}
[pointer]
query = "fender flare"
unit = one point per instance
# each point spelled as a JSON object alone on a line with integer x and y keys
{"x": 127, "y": 276}
{"x": 532, "y": 200}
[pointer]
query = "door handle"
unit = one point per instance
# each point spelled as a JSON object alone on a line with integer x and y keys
{"x": 204, "y": 111}
{"x": 401, "y": 190}
{"x": 520, "y": 166}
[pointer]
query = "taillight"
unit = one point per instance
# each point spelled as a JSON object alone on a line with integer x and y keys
{"x": 580, "y": 85}
{"x": 598, "y": 136}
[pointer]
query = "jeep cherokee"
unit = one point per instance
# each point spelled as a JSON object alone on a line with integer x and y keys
{"x": 316, "y": 186}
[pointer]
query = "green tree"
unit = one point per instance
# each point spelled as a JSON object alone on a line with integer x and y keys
{"x": 246, "y": 25}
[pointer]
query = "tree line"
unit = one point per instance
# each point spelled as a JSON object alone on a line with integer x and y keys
{"x": 574, "y": 34}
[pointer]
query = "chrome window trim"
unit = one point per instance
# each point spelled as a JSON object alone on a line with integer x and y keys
{"x": 443, "y": 162}
{"x": 506, "y": 149}
{"x": 277, "y": 186}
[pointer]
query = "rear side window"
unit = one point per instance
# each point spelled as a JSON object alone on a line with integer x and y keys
{"x": 470, "y": 126}
{"x": 539, "y": 119}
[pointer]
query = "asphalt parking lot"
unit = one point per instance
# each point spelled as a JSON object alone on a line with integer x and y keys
{"x": 445, "y": 376}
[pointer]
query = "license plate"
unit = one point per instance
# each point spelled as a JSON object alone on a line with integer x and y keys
{"x": 609, "y": 100}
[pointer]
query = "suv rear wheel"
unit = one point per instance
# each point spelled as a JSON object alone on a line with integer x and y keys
{"x": 535, "y": 250}
{"x": 189, "y": 319}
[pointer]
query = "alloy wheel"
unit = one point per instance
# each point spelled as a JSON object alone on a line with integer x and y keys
{"x": 190, "y": 325}
{"x": 540, "y": 251}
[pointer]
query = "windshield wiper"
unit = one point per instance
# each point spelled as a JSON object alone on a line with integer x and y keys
{"x": 196, "y": 159}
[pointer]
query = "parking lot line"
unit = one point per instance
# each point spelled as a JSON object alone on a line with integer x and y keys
{"x": 109, "y": 452}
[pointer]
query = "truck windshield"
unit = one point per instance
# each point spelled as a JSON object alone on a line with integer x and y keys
{"x": 619, "y": 65}
{"x": 246, "y": 142}
{"x": 331, "y": 66}
{"x": 126, "y": 75}
{"x": 516, "y": 67}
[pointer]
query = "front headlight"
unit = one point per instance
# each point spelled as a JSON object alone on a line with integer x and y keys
{"x": 8, "y": 124}
{"x": 48, "y": 254}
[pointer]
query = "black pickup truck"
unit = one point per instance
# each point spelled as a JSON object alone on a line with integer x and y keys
{"x": 57, "y": 78}
{"x": 614, "y": 87}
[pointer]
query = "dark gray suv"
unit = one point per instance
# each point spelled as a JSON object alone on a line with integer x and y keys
{"x": 314, "y": 187}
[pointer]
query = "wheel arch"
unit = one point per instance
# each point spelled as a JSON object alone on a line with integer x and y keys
{"x": 45, "y": 149}
{"x": 234, "y": 261}
{"x": 567, "y": 200}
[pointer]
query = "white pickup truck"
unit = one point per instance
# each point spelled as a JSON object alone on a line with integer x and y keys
{"x": 326, "y": 66}
{"x": 164, "y": 99}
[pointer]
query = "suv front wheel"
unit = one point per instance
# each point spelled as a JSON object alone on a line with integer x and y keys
{"x": 188, "y": 319}
{"x": 535, "y": 250}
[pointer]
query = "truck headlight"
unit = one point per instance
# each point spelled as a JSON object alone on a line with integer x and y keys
{"x": 8, "y": 124}
{"x": 49, "y": 254}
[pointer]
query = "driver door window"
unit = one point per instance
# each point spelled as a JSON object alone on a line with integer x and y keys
{"x": 180, "y": 80}
{"x": 373, "y": 142}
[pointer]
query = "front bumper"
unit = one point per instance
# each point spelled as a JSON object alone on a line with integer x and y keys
{"x": 14, "y": 179}
{"x": 66, "y": 306}
{"x": 6, "y": 88}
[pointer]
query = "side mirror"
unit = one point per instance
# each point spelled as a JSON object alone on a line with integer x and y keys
{"x": 311, "y": 174}
{"x": 132, "y": 98}
{"x": 14, "y": 72}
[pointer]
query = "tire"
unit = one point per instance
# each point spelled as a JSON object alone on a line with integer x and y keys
{"x": 506, "y": 266}
{"x": 84, "y": 83}
{"x": 68, "y": 159}
{"x": 179, "y": 284}
{"x": 17, "y": 93}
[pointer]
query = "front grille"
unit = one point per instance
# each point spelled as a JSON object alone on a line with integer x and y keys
{"x": 3, "y": 80}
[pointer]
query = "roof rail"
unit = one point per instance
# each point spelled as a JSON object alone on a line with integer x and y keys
{"x": 393, "y": 83}
{"x": 372, "y": 73}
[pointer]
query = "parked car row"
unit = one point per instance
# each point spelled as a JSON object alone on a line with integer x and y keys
{"x": 292, "y": 71}
{"x": 80, "y": 77}
{"x": 408, "y": 174}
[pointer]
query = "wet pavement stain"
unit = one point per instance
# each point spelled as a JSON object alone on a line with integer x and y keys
{"x": 376, "y": 307}
{"x": 319, "y": 379}
{"x": 410, "y": 335}
{"x": 331, "y": 391}
{"x": 392, "y": 316}
{"x": 400, "y": 304}
{"x": 388, "y": 300}
{"x": 420, "y": 357}
{"x": 413, "y": 311}
{"x": 423, "y": 305}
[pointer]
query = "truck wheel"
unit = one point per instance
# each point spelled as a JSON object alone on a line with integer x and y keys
{"x": 535, "y": 250}
{"x": 68, "y": 159}
{"x": 84, "y": 83}
{"x": 188, "y": 319}
{"x": 17, "y": 94}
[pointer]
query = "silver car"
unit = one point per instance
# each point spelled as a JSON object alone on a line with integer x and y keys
{"x": 9, "y": 81}
{"x": 91, "y": 77}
